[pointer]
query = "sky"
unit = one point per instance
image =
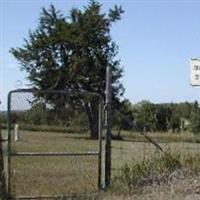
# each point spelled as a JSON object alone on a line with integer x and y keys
{"x": 156, "y": 38}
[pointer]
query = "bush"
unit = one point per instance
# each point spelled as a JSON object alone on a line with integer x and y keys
{"x": 159, "y": 168}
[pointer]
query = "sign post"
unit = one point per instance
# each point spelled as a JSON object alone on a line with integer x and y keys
{"x": 195, "y": 72}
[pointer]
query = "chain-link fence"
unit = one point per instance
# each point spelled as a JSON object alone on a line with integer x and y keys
{"x": 50, "y": 150}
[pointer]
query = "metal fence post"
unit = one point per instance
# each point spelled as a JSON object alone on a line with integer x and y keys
{"x": 100, "y": 145}
{"x": 108, "y": 129}
{"x": 9, "y": 143}
{"x": 2, "y": 174}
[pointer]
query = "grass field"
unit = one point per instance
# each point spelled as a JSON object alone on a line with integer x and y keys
{"x": 75, "y": 175}
{"x": 53, "y": 175}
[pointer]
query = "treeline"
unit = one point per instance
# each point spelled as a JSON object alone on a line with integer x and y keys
{"x": 149, "y": 117}
{"x": 144, "y": 116}
{"x": 41, "y": 116}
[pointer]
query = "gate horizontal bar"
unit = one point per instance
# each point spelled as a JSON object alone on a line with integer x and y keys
{"x": 89, "y": 153}
{"x": 3, "y": 140}
{"x": 75, "y": 92}
{"x": 72, "y": 196}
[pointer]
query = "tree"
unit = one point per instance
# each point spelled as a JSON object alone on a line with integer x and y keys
{"x": 146, "y": 118}
{"x": 161, "y": 118}
{"x": 195, "y": 118}
{"x": 123, "y": 117}
{"x": 37, "y": 115}
{"x": 174, "y": 122}
{"x": 72, "y": 53}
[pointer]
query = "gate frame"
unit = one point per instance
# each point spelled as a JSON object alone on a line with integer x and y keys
{"x": 99, "y": 152}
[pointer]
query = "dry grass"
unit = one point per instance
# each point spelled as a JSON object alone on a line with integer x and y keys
{"x": 55, "y": 175}
{"x": 161, "y": 136}
{"x": 127, "y": 151}
{"x": 61, "y": 175}
{"x": 160, "y": 177}
{"x": 183, "y": 189}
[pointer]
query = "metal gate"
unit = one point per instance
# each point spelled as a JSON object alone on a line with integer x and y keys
{"x": 50, "y": 155}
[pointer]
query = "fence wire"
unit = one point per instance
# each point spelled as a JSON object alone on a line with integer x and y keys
{"x": 50, "y": 152}
{"x": 142, "y": 160}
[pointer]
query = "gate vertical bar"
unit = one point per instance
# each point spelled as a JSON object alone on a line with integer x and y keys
{"x": 100, "y": 145}
{"x": 9, "y": 143}
{"x": 108, "y": 129}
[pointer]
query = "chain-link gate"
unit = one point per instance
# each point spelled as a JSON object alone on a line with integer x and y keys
{"x": 50, "y": 153}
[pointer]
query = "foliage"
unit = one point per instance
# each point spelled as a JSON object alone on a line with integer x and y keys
{"x": 149, "y": 171}
{"x": 144, "y": 116}
{"x": 3, "y": 117}
{"x": 150, "y": 117}
{"x": 123, "y": 116}
{"x": 72, "y": 53}
{"x": 41, "y": 118}
{"x": 195, "y": 118}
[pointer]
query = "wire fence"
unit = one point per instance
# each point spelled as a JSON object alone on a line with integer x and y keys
{"x": 50, "y": 152}
{"x": 137, "y": 148}
{"x": 150, "y": 159}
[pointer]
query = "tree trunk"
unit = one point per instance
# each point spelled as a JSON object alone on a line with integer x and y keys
{"x": 92, "y": 113}
{"x": 94, "y": 129}
{"x": 119, "y": 132}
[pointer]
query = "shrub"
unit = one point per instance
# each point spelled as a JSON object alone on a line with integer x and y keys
{"x": 158, "y": 168}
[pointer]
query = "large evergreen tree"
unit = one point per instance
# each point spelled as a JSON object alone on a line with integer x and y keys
{"x": 72, "y": 53}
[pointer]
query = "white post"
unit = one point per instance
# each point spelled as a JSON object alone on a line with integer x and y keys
{"x": 16, "y": 130}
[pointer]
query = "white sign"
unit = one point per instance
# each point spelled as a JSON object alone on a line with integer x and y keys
{"x": 195, "y": 72}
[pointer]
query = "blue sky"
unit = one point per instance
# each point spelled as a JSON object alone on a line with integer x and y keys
{"x": 156, "y": 38}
